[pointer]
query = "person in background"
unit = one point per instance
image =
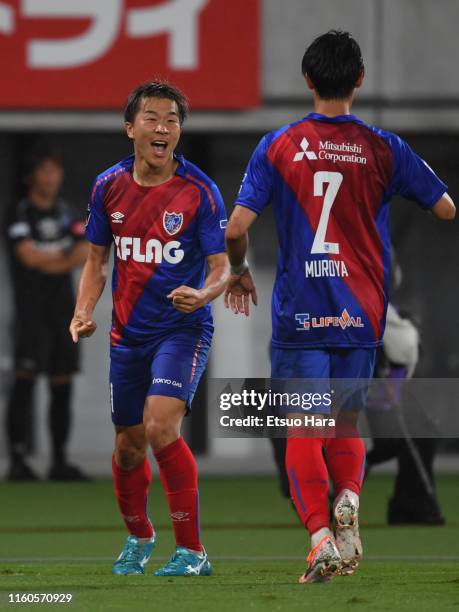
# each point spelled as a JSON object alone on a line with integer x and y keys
{"x": 414, "y": 500}
{"x": 47, "y": 243}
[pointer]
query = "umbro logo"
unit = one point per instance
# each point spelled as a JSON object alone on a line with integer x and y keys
{"x": 131, "y": 519}
{"x": 304, "y": 152}
{"x": 180, "y": 516}
{"x": 117, "y": 217}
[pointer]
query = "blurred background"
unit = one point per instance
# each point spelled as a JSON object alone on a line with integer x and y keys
{"x": 67, "y": 68}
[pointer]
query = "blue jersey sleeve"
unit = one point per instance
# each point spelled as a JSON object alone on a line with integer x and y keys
{"x": 257, "y": 185}
{"x": 212, "y": 220}
{"x": 98, "y": 229}
{"x": 412, "y": 177}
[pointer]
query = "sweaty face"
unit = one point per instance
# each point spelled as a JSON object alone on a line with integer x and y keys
{"x": 155, "y": 131}
{"x": 47, "y": 178}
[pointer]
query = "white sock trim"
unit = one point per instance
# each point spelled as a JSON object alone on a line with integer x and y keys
{"x": 146, "y": 540}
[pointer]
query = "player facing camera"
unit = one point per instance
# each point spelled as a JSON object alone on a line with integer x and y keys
{"x": 154, "y": 115}
{"x": 164, "y": 217}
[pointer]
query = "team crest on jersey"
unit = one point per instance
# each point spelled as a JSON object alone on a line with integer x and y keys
{"x": 172, "y": 222}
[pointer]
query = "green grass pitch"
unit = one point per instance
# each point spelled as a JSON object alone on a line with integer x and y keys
{"x": 57, "y": 538}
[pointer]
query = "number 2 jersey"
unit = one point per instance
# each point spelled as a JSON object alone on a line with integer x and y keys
{"x": 331, "y": 181}
{"x": 162, "y": 236}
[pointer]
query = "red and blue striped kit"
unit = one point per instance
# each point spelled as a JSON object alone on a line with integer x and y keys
{"x": 162, "y": 236}
{"x": 331, "y": 181}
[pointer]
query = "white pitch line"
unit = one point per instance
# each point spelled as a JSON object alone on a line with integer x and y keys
{"x": 229, "y": 558}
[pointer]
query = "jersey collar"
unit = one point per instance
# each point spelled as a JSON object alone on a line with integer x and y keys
{"x": 181, "y": 168}
{"x": 337, "y": 119}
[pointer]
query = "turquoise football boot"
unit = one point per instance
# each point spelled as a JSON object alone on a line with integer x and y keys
{"x": 186, "y": 562}
{"x": 134, "y": 556}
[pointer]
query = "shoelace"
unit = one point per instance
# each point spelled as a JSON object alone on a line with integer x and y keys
{"x": 176, "y": 560}
{"x": 132, "y": 553}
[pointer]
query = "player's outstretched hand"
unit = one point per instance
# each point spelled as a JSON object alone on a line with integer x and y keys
{"x": 238, "y": 292}
{"x": 186, "y": 299}
{"x": 81, "y": 326}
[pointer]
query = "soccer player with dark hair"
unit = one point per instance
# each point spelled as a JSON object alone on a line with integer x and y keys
{"x": 46, "y": 240}
{"x": 165, "y": 219}
{"x": 330, "y": 177}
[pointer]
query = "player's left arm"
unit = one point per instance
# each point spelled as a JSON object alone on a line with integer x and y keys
{"x": 187, "y": 299}
{"x": 414, "y": 179}
{"x": 211, "y": 220}
{"x": 444, "y": 208}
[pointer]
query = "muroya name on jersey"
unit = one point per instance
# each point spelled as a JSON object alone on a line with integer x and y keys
{"x": 153, "y": 251}
{"x": 325, "y": 267}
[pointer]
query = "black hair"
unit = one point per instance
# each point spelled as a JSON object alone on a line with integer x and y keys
{"x": 334, "y": 63}
{"x": 40, "y": 155}
{"x": 155, "y": 89}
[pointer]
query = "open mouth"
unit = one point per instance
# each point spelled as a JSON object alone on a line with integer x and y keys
{"x": 159, "y": 147}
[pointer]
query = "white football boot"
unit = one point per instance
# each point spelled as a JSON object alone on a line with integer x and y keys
{"x": 324, "y": 562}
{"x": 346, "y": 524}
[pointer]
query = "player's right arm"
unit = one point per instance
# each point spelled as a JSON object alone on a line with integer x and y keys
{"x": 240, "y": 286}
{"x": 90, "y": 287}
{"x": 254, "y": 195}
{"x": 94, "y": 274}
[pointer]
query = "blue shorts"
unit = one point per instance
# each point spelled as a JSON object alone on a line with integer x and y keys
{"x": 171, "y": 365}
{"x": 330, "y": 364}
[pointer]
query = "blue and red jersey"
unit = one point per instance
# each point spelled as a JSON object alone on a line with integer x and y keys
{"x": 162, "y": 236}
{"x": 331, "y": 181}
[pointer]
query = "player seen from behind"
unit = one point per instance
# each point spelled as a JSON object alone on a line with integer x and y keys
{"x": 330, "y": 178}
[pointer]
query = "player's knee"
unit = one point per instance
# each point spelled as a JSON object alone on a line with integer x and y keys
{"x": 128, "y": 455}
{"x": 128, "y": 459}
{"x": 161, "y": 432}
